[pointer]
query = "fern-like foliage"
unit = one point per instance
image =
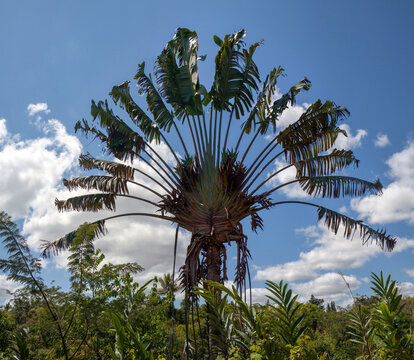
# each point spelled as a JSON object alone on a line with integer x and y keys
{"x": 287, "y": 309}
{"x": 20, "y": 266}
{"x": 242, "y": 326}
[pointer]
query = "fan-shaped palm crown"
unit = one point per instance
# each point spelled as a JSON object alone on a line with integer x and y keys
{"x": 212, "y": 187}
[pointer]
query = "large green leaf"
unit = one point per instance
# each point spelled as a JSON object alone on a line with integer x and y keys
{"x": 178, "y": 81}
{"x": 228, "y": 75}
{"x": 162, "y": 116}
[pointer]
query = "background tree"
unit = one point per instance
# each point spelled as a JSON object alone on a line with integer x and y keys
{"x": 23, "y": 268}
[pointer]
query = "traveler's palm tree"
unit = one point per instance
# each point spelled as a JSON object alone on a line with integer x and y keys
{"x": 216, "y": 183}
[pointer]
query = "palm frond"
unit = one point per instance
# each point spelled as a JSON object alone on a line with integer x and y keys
{"x": 243, "y": 97}
{"x": 55, "y": 247}
{"x": 121, "y": 94}
{"x": 106, "y": 184}
{"x": 186, "y": 44}
{"x": 118, "y": 170}
{"x": 114, "y": 168}
{"x": 121, "y": 140}
{"x": 228, "y": 75}
{"x": 87, "y": 129}
{"x": 316, "y": 130}
{"x": 89, "y": 202}
{"x": 337, "y": 186}
{"x": 175, "y": 80}
{"x": 281, "y": 104}
{"x": 262, "y": 107}
{"x": 290, "y": 323}
{"x": 325, "y": 164}
{"x": 334, "y": 219}
{"x": 162, "y": 116}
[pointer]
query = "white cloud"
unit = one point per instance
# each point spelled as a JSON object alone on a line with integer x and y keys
{"x": 291, "y": 115}
{"x": 406, "y": 288}
{"x": 258, "y": 295}
{"x": 409, "y": 272}
{"x": 329, "y": 252}
{"x": 149, "y": 243}
{"x": 290, "y": 271}
{"x": 36, "y": 108}
{"x": 397, "y": 200}
{"x": 366, "y": 280}
{"x": 292, "y": 190}
{"x": 329, "y": 286}
{"x": 350, "y": 141}
{"x": 382, "y": 140}
{"x": 32, "y": 168}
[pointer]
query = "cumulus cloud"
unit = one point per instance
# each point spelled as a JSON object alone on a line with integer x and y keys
{"x": 37, "y": 108}
{"x": 409, "y": 272}
{"x": 32, "y": 168}
{"x": 329, "y": 252}
{"x": 382, "y": 140}
{"x": 329, "y": 286}
{"x": 290, "y": 271}
{"x": 397, "y": 200}
{"x": 350, "y": 141}
{"x": 406, "y": 288}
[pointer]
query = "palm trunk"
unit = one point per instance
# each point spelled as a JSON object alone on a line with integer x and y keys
{"x": 214, "y": 264}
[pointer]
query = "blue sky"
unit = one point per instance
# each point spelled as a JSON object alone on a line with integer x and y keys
{"x": 359, "y": 54}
